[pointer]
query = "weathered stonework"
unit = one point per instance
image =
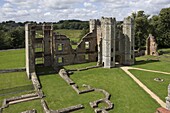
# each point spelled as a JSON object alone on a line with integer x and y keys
{"x": 12, "y": 70}
{"x": 94, "y": 104}
{"x": 108, "y": 28}
{"x": 103, "y": 100}
{"x": 66, "y": 77}
{"x": 64, "y": 110}
{"x": 101, "y": 45}
{"x": 30, "y": 111}
{"x": 168, "y": 99}
{"x": 128, "y": 31}
{"x": 151, "y": 46}
{"x": 112, "y": 47}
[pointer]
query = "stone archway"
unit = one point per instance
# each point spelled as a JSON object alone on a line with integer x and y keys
{"x": 118, "y": 59}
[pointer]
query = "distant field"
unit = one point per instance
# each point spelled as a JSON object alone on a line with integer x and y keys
{"x": 74, "y": 35}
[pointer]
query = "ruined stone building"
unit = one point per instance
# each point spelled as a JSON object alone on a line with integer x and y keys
{"x": 114, "y": 45}
{"x": 104, "y": 44}
{"x": 151, "y": 46}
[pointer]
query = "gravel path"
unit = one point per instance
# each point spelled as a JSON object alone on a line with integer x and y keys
{"x": 153, "y": 95}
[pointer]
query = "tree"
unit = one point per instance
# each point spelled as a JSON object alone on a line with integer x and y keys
{"x": 141, "y": 28}
{"x": 163, "y": 27}
{"x": 16, "y": 37}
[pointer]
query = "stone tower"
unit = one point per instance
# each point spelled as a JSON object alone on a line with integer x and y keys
{"x": 128, "y": 31}
{"x": 108, "y": 30}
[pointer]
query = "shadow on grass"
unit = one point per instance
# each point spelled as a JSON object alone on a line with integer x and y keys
{"x": 41, "y": 71}
{"x": 141, "y": 62}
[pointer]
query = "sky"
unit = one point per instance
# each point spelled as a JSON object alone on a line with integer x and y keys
{"x": 55, "y": 10}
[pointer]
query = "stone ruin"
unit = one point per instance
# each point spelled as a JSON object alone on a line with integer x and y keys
{"x": 102, "y": 44}
{"x": 167, "y": 109}
{"x": 64, "y": 74}
{"x": 168, "y": 99}
{"x": 151, "y": 46}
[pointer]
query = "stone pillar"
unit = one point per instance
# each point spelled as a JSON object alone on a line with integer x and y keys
{"x": 29, "y": 49}
{"x": 168, "y": 98}
{"x": 128, "y": 31}
{"x": 99, "y": 42}
{"x": 47, "y": 33}
{"x": 92, "y": 24}
{"x": 108, "y": 27}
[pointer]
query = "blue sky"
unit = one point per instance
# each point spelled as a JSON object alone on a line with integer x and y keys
{"x": 55, "y": 10}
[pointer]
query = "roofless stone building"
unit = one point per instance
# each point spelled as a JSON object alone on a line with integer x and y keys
{"x": 105, "y": 44}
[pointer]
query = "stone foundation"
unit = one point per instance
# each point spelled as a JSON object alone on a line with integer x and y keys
{"x": 30, "y": 111}
{"x": 64, "y": 110}
{"x": 12, "y": 70}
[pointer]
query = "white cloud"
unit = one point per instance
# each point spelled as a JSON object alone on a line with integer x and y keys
{"x": 47, "y": 14}
{"x": 87, "y": 4}
{"x": 22, "y": 13}
{"x": 54, "y": 10}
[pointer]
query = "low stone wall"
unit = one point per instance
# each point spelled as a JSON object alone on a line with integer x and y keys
{"x": 30, "y": 111}
{"x": 27, "y": 97}
{"x": 106, "y": 100}
{"x": 64, "y": 110}
{"x": 86, "y": 68}
{"x": 12, "y": 70}
{"x": 76, "y": 88}
{"x": 65, "y": 76}
{"x": 44, "y": 106}
{"x": 63, "y": 73}
{"x": 35, "y": 81}
{"x": 22, "y": 98}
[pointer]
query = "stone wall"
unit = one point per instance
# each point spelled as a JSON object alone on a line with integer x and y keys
{"x": 101, "y": 44}
{"x": 65, "y": 55}
{"x": 151, "y": 46}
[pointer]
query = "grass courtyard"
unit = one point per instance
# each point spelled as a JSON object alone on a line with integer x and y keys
{"x": 159, "y": 88}
{"x": 14, "y": 84}
{"x": 152, "y": 62}
{"x": 12, "y": 59}
{"x": 127, "y": 96}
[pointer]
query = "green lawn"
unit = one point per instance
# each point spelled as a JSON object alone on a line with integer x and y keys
{"x": 159, "y": 88}
{"x": 10, "y": 80}
{"x": 14, "y": 84}
{"x": 127, "y": 96}
{"x": 18, "y": 108}
{"x": 12, "y": 59}
{"x": 151, "y": 62}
